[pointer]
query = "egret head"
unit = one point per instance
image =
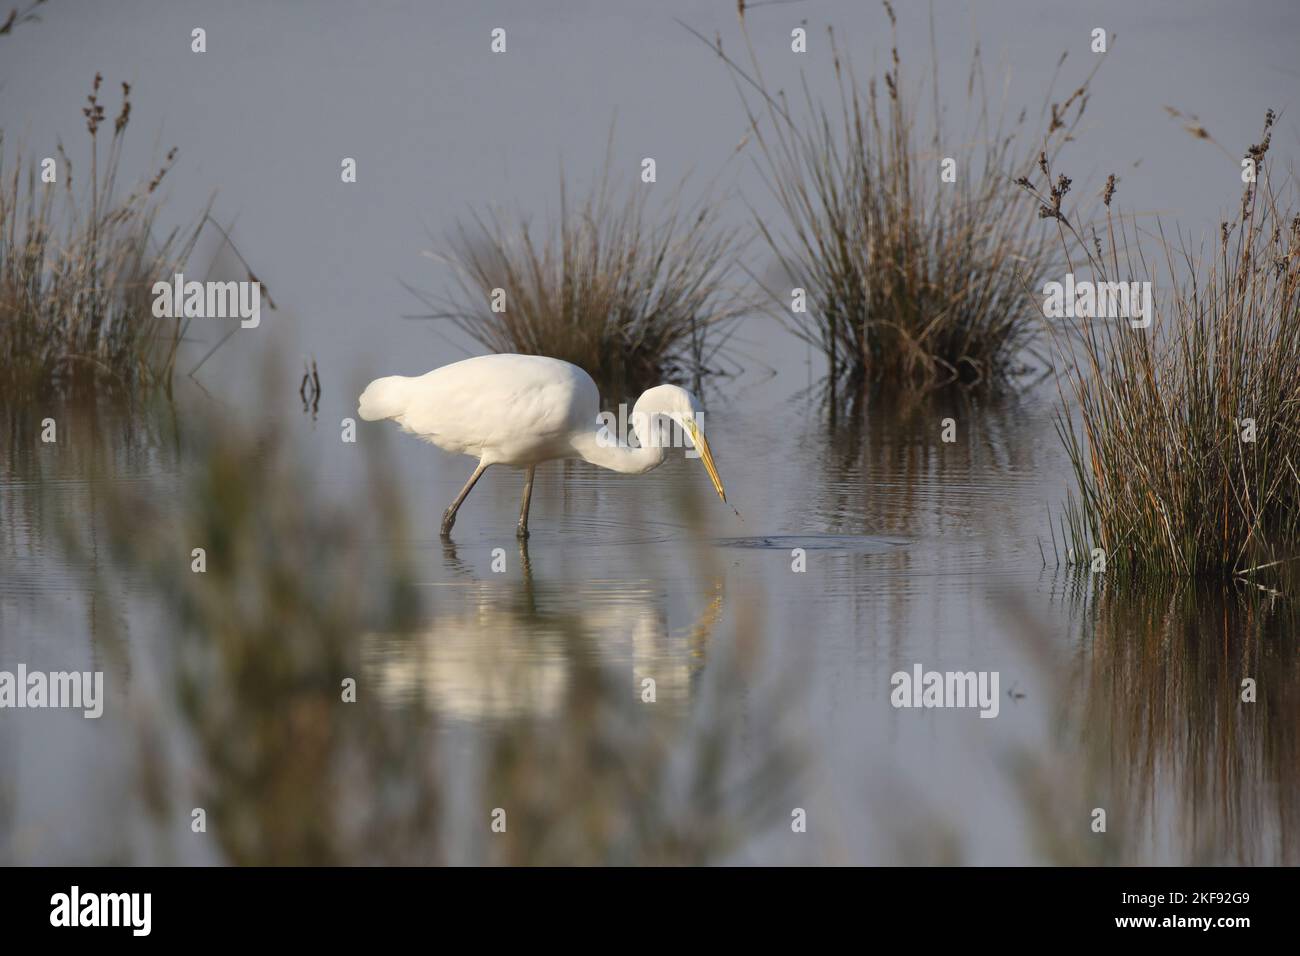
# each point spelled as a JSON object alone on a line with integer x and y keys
{"x": 682, "y": 408}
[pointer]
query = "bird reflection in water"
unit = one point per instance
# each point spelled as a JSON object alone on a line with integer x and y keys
{"x": 510, "y": 648}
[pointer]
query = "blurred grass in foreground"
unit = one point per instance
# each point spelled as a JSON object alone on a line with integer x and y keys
{"x": 288, "y": 773}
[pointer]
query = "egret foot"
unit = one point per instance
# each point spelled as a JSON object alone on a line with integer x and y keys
{"x": 449, "y": 516}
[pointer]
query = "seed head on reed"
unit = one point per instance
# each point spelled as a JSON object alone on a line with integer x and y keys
{"x": 17, "y": 17}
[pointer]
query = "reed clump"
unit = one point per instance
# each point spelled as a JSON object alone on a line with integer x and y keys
{"x": 632, "y": 296}
{"x": 1185, "y": 436}
{"x": 910, "y": 281}
{"x": 77, "y": 268}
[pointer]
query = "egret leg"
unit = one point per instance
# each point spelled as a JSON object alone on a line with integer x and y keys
{"x": 522, "y": 532}
{"x": 449, "y": 516}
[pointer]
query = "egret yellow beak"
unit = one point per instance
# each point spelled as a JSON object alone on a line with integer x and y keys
{"x": 706, "y": 456}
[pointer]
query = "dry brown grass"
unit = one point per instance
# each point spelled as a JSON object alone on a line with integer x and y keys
{"x": 1165, "y": 483}
{"x": 911, "y": 281}
{"x": 633, "y": 291}
{"x": 77, "y": 267}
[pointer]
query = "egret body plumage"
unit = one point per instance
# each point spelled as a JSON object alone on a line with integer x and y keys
{"x": 523, "y": 410}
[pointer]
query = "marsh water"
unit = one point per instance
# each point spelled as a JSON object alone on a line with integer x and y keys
{"x": 861, "y": 544}
{"x": 916, "y": 552}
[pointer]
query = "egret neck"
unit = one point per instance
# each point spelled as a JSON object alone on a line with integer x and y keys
{"x": 620, "y": 457}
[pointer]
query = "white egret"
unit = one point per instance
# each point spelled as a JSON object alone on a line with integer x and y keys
{"x": 522, "y": 410}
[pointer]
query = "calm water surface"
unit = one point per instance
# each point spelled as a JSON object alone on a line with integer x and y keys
{"x": 917, "y": 551}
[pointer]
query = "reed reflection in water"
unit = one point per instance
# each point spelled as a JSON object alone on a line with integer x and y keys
{"x": 523, "y": 690}
{"x": 1152, "y": 709}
